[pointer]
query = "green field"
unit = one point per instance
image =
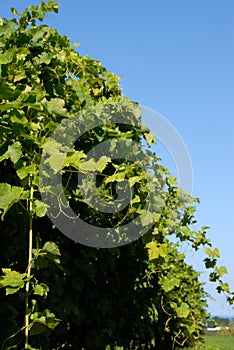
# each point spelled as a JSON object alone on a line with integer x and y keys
{"x": 214, "y": 342}
{"x": 219, "y": 342}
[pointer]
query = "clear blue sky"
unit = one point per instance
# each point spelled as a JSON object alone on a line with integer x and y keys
{"x": 176, "y": 57}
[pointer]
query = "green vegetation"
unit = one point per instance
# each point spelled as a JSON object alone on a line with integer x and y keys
{"x": 220, "y": 342}
{"x": 55, "y": 293}
{"x": 217, "y": 342}
{"x": 211, "y": 342}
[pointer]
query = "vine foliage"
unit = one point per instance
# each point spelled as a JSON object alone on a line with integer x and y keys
{"x": 56, "y": 293}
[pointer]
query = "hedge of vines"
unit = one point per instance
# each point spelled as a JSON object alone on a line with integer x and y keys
{"x": 56, "y": 293}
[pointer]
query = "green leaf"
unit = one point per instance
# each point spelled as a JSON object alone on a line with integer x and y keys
{"x": 15, "y": 152}
{"x": 51, "y": 320}
{"x": 213, "y": 253}
{"x": 5, "y": 129}
{"x": 150, "y": 139}
{"x": 74, "y": 160}
{"x": 171, "y": 180}
{"x": 8, "y": 196}
{"x": 52, "y": 147}
{"x": 7, "y": 92}
{"x": 12, "y": 280}
{"x": 51, "y": 248}
{"x": 135, "y": 179}
{"x": 89, "y": 165}
{"x": 39, "y": 317}
{"x": 6, "y": 28}
{"x": 7, "y": 56}
{"x": 213, "y": 277}
{"x": 225, "y": 287}
{"x": 152, "y": 250}
{"x": 41, "y": 11}
{"x": 46, "y": 57}
{"x": 183, "y": 310}
{"x": 10, "y": 105}
{"x": 49, "y": 253}
{"x": 22, "y": 53}
{"x": 41, "y": 289}
{"x": 146, "y": 218}
{"x": 40, "y": 208}
{"x": 209, "y": 263}
{"x": 155, "y": 250}
{"x": 57, "y": 154}
{"x": 24, "y": 171}
{"x": 46, "y": 318}
{"x": 163, "y": 250}
{"x": 120, "y": 176}
{"x": 221, "y": 270}
{"x": 56, "y": 161}
{"x": 169, "y": 284}
{"x": 56, "y": 106}
{"x": 19, "y": 118}
{"x": 4, "y": 156}
{"x": 19, "y": 74}
{"x": 13, "y": 10}
{"x": 37, "y": 328}
{"x": 136, "y": 199}
{"x": 102, "y": 163}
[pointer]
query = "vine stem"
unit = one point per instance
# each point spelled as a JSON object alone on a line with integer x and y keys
{"x": 30, "y": 245}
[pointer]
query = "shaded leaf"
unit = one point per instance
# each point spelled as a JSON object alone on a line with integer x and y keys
{"x": 52, "y": 248}
{"x": 46, "y": 318}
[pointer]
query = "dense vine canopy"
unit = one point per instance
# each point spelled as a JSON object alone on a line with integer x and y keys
{"x": 81, "y": 297}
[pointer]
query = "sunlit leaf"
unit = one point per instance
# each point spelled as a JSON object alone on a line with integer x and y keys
{"x": 15, "y": 151}
{"x": 183, "y": 310}
{"x": 40, "y": 208}
{"x": 8, "y": 196}
{"x": 56, "y": 105}
{"x": 12, "y": 280}
{"x": 41, "y": 289}
{"x": 7, "y": 56}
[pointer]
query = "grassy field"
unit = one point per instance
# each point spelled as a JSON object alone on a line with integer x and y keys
{"x": 215, "y": 342}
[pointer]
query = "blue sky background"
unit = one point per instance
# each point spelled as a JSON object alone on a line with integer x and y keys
{"x": 177, "y": 58}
